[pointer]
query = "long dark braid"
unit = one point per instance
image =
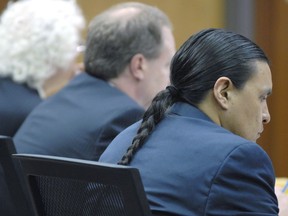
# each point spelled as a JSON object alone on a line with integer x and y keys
{"x": 151, "y": 118}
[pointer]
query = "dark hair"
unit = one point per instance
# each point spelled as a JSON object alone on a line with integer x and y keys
{"x": 196, "y": 66}
{"x": 115, "y": 37}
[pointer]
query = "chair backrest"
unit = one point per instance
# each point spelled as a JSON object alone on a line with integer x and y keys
{"x": 14, "y": 192}
{"x": 63, "y": 186}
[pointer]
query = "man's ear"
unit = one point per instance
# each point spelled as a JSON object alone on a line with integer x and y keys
{"x": 222, "y": 91}
{"x": 137, "y": 66}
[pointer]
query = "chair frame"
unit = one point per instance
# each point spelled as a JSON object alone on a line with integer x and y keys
{"x": 127, "y": 178}
{"x": 14, "y": 179}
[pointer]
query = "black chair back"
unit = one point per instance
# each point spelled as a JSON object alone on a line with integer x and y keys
{"x": 62, "y": 186}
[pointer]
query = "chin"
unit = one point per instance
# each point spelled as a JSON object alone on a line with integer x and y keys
{"x": 256, "y": 138}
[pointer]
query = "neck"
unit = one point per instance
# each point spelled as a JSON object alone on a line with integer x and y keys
{"x": 209, "y": 107}
{"x": 127, "y": 85}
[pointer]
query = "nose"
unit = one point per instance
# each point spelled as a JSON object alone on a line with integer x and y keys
{"x": 266, "y": 115}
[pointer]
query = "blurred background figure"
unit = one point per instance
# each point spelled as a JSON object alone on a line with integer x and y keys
{"x": 38, "y": 50}
{"x": 129, "y": 48}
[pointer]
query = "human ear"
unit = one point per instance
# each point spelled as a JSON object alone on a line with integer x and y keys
{"x": 222, "y": 91}
{"x": 137, "y": 66}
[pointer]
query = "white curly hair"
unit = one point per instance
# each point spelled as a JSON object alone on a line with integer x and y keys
{"x": 39, "y": 38}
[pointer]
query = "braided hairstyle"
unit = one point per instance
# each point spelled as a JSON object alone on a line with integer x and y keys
{"x": 196, "y": 66}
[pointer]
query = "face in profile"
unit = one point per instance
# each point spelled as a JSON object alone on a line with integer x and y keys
{"x": 248, "y": 110}
{"x": 158, "y": 69}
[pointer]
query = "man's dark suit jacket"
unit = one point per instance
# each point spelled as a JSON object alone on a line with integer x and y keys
{"x": 79, "y": 121}
{"x": 191, "y": 166}
{"x": 16, "y": 102}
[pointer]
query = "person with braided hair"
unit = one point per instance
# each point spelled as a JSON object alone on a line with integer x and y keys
{"x": 196, "y": 145}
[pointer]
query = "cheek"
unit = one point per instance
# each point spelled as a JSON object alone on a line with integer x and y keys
{"x": 256, "y": 112}
{"x": 254, "y": 120}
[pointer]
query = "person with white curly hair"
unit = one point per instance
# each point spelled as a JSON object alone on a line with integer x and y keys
{"x": 38, "y": 46}
{"x": 38, "y": 49}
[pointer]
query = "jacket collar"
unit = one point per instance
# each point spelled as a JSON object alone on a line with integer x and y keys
{"x": 185, "y": 109}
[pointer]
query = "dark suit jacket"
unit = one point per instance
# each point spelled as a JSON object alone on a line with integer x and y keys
{"x": 190, "y": 166}
{"x": 79, "y": 121}
{"x": 16, "y": 102}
